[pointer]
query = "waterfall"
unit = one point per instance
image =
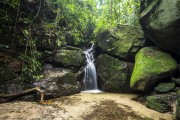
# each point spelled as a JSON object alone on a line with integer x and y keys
{"x": 90, "y": 77}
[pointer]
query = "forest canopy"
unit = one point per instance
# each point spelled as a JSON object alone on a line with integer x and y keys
{"x": 37, "y": 25}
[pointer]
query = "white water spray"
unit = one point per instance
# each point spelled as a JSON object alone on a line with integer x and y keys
{"x": 90, "y": 77}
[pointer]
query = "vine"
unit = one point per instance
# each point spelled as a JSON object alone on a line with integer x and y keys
{"x": 58, "y": 23}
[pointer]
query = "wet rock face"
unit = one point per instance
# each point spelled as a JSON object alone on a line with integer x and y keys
{"x": 56, "y": 82}
{"x": 69, "y": 57}
{"x": 113, "y": 74}
{"x": 160, "y": 21}
{"x": 122, "y": 41}
{"x": 59, "y": 82}
{"x": 160, "y": 103}
{"x": 151, "y": 66}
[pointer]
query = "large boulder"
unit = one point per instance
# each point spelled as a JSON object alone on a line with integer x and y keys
{"x": 160, "y": 21}
{"x": 113, "y": 74}
{"x": 123, "y": 41}
{"x": 70, "y": 57}
{"x": 160, "y": 103}
{"x": 151, "y": 66}
{"x": 58, "y": 82}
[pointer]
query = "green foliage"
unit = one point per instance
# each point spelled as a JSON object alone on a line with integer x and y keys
{"x": 31, "y": 66}
{"x": 151, "y": 64}
{"x": 73, "y": 22}
{"x": 113, "y": 12}
{"x": 12, "y": 3}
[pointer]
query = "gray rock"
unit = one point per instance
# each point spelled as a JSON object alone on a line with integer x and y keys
{"x": 16, "y": 88}
{"x": 59, "y": 83}
{"x": 160, "y": 21}
{"x": 123, "y": 41}
{"x": 160, "y": 103}
{"x": 165, "y": 87}
{"x": 69, "y": 57}
{"x": 113, "y": 74}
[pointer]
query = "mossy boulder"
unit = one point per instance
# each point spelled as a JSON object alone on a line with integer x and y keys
{"x": 123, "y": 41}
{"x": 151, "y": 66}
{"x": 113, "y": 74}
{"x": 160, "y": 103}
{"x": 160, "y": 21}
{"x": 69, "y": 57}
{"x": 178, "y": 106}
{"x": 6, "y": 74}
{"x": 165, "y": 87}
{"x": 176, "y": 80}
{"x": 69, "y": 78}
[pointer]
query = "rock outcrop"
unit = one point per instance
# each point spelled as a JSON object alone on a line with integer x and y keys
{"x": 151, "y": 66}
{"x": 69, "y": 57}
{"x": 122, "y": 41}
{"x": 160, "y": 21}
{"x": 58, "y": 82}
{"x": 113, "y": 74}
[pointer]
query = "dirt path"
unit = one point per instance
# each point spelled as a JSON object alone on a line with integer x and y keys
{"x": 82, "y": 107}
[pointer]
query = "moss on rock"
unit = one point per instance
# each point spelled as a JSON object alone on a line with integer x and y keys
{"x": 113, "y": 74}
{"x": 165, "y": 87}
{"x": 123, "y": 41}
{"x": 176, "y": 80}
{"x": 160, "y": 103}
{"x": 160, "y": 24}
{"x": 72, "y": 58}
{"x": 69, "y": 78}
{"x": 151, "y": 65}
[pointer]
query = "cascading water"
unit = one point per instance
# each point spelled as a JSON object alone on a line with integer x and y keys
{"x": 90, "y": 77}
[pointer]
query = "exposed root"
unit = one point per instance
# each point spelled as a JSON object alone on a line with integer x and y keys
{"x": 24, "y": 93}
